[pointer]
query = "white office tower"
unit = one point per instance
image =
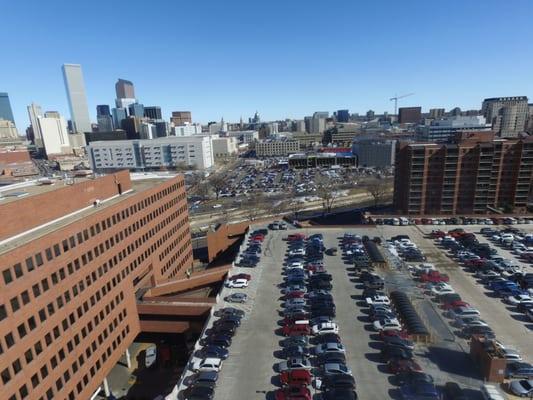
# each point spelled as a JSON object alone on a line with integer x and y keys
{"x": 54, "y": 133}
{"x": 187, "y": 129}
{"x": 77, "y": 100}
{"x": 34, "y": 112}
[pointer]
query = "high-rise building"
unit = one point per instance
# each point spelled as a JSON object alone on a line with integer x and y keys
{"x": 77, "y": 100}
{"x": 374, "y": 153}
{"x": 476, "y": 175}
{"x": 5, "y": 108}
{"x": 34, "y": 112}
{"x": 300, "y": 126}
{"x": 370, "y": 114}
{"x": 75, "y": 260}
{"x": 104, "y": 119}
{"x": 409, "y": 115}
{"x": 181, "y": 117}
{"x": 436, "y": 113}
{"x": 103, "y": 109}
{"x": 54, "y": 132}
{"x": 152, "y": 112}
{"x": 124, "y": 89}
{"x": 119, "y": 115}
{"x": 508, "y": 115}
{"x": 343, "y": 115}
{"x": 162, "y": 128}
{"x": 136, "y": 110}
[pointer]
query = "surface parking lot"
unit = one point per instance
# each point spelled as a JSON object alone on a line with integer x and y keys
{"x": 249, "y": 372}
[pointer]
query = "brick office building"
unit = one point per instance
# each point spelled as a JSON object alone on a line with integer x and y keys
{"x": 475, "y": 175}
{"x": 73, "y": 258}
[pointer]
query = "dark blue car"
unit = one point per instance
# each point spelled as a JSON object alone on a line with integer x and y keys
{"x": 519, "y": 370}
{"x": 419, "y": 391}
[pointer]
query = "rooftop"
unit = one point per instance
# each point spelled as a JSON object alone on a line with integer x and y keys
{"x": 32, "y": 188}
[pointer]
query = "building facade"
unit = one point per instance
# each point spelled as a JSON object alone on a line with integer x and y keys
{"x": 5, "y": 108}
{"x": 343, "y": 115}
{"x": 77, "y": 99}
{"x": 508, "y": 115}
{"x": 181, "y": 117}
{"x": 152, "y": 112}
{"x": 55, "y": 136}
{"x": 70, "y": 274}
{"x": 168, "y": 152}
{"x": 8, "y": 130}
{"x": 276, "y": 148}
{"x": 409, "y": 115}
{"x": 187, "y": 129}
{"x": 244, "y": 136}
{"x": 124, "y": 89}
{"x": 375, "y": 153}
{"x": 442, "y": 130}
{"x": 473, "y": 176}
{"x": 224, "y": 147}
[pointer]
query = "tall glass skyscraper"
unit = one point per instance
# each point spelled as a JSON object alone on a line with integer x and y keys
{"x": 77, "y": 100}
{"x": 5, "y": 108}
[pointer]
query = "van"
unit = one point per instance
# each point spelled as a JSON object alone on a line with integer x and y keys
{"x": 491, "y": 392}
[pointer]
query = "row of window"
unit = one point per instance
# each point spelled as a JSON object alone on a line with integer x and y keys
{"x": 60, "y": 382}
{"x": 50, "y": 253}
{"x": 100, "y": 249}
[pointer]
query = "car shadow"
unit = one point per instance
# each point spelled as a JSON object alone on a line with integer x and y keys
{"x": 374, "y": 357}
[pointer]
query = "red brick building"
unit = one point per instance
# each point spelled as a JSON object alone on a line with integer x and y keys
{"x": 476, "y": 175}
{"x": 73, "y": 259}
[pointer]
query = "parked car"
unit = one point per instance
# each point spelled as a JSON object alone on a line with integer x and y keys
{"x": 236, "y": 298}
{"x": 207, "y": 364}
{"x": 519, "y": 370}
{"x": 297, "y": 377}
{"x": 419, "y": 390}
{"x": 150, "y": 356}
{"x": 293, "y": 392}
{"x": 293, "y": 364}
{"x": 522, "y": 388}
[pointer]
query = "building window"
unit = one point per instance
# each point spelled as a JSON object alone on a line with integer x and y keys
{"x": 3, "y": 312}
{"x": 16, "y": 366}
{"x": 28, "y": 355}
{"x": 36, "y": 290}
{"x": 23, "y": 391}
{"x": 7, "y": 276}
{"x": 29, "y": 264}
{"x": 14, "y": 304}
{"x": 6, "y": 376}
{"x": 39, "y": 259}
{"x": 57, "y": 250}
{"x": 25, "y": 297}
{"x": 49, "y": 255}
{"x": 10, "y": 341}
{"x": 35, "y": 381}
{"x": 22, "y": 330}
{"x": 18, "y": 270}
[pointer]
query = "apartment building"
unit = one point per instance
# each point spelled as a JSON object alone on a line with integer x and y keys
{"x": 167, "y": 152}
{"x": 276, "y": 148}
{"x": 508, "y": 115}
{"x": 74, "y": 257}
{"x": 475, "y": 175}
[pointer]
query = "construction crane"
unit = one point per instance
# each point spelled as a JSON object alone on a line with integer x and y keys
{"x": 396, "y": 98}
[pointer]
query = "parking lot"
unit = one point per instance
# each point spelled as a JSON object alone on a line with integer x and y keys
{"x": 249, "y": 371}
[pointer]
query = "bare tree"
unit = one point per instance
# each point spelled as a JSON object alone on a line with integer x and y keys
{"x": 217, "y": 183}
{"x": 181, "y": 166}
{"x": 202, "y": 189}
{"x": 377, "y": 188}
{"x": 254, "y": 205}
{"x": 327, "y": 192}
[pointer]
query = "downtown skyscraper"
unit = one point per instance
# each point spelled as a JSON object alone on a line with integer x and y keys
{"x": 77, "y": 99}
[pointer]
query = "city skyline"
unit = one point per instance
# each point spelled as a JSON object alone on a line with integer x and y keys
{"x": 283, "y": 71}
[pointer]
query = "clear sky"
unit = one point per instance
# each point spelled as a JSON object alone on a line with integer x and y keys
{"x": 285, "y": 59}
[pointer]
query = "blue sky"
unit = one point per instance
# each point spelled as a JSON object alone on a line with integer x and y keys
{"x": 284, "y": 58}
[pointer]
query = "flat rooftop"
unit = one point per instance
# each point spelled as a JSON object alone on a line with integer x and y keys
{"x": 11, "y": 195}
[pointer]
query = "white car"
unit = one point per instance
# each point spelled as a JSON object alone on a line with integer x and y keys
{"x": 297, "y": 252}
{"x": 378, "y": 300}
{"x": 237, "y": 283}
{"x": 325, "y": 327}
{"x": 387, "y": 325}
{"x": 519, "y": 298}
{"x": 150, "y": 356}
{"x": 295, "y": 264}
{"x": 207, "y": 364}
{"x": 329, "y": 348}
{"x": 442, "y": 288}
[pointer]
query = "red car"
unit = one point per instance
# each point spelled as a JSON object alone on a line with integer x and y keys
{"x": 295, "y": 236}
{"x": 248, "y": 277}
{"x": 434, "y": 277}
{"x": 293, "y": 393}
{"x": 454, "y": 304}
{"x": 315, "y": 268}
{"x": 475, "y": 263}
{"x": 391, "y": 332}
{"x": 297, "y": 377}
{"x": 296, "y": 330}
{"x": 397, "y": 366}
{"x": 297, "y": 294}
{"x": 437, "y": 234}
